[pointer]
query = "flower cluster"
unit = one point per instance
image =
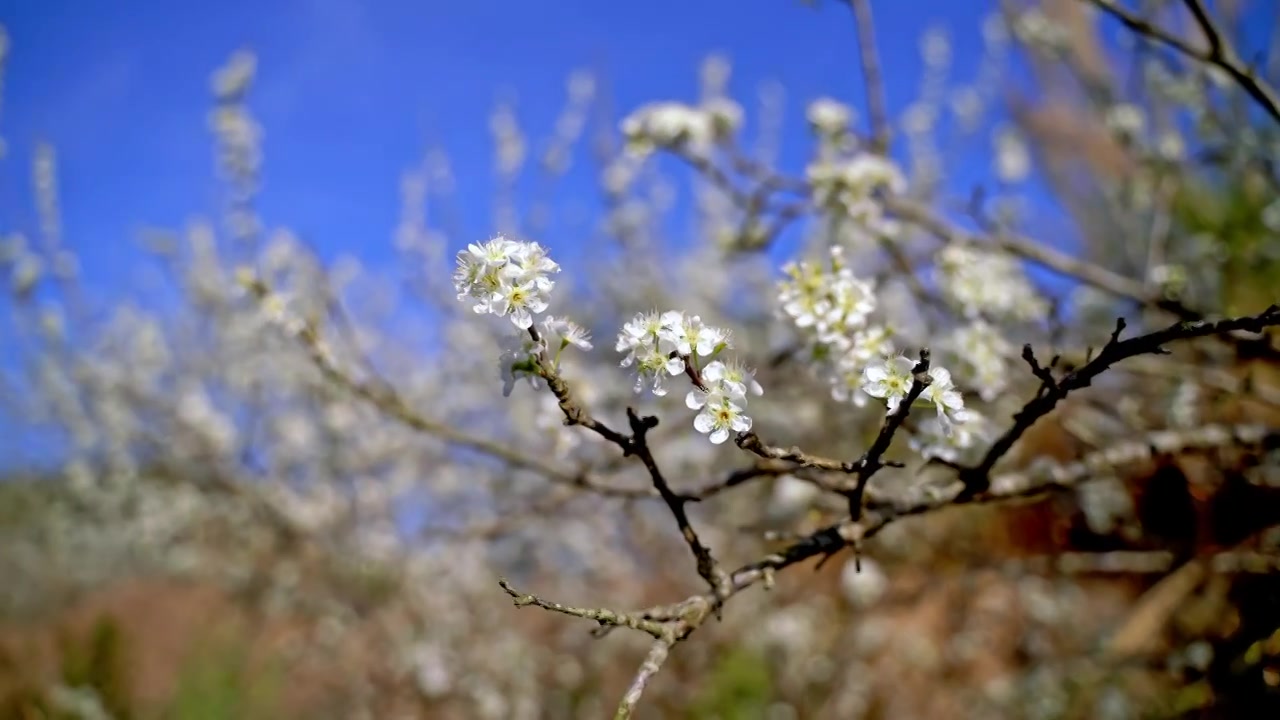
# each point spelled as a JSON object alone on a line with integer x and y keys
{"x": 856, "y": 178}
{"x": 831, "y": 306}
{"x": 1012, "y": 156}
{"x": 512, "y": 279}
{"x": 676, "y": 125}
{"x": 891, "y": 381}
{"x": 952, "y": 441}
{"x": 981, "y": 350}
{"x": 831, "y": 303}
{"x": 1126, "y": 121}
{"x": 506, "y": 278}
{"x": 658, "y": 345}
{"x": 829, "y": 118}
{"x": 988, "y": 284}
{"x": 871, "y": 343}
{"x": 849, "y": 186}
{"x": 522, "y": 354}
{"x": 721, "y": 403}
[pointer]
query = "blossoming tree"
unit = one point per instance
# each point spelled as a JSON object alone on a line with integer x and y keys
{"x": 899, "y": 361}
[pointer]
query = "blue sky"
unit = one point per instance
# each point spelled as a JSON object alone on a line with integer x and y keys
{"x": 352, "y": 93}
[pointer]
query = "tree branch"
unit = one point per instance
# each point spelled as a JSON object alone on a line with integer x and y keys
{"x": 1220, "y": 53}
{"x": 1113, "y": 352}
{"x": 877, "y": 106}
{"x": 634, "y": 444}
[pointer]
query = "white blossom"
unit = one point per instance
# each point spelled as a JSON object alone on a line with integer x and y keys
{"x": 691, "y": 336}
{"x": 832, "y": 303}
{"x": 1126, "y": 120}
{"x": 567, "y": 332}
{"x": 719, "y": 418}
{"x": 988, "y": 283}
{"x": 1013, "y": 158}
{"x": 951, "y": 440}
{"x": 850, "y": 185}
{"x": 737, "y": 379}
{"x": 943, "y": 394}
{"x": 869, "y": 344}
{"x": 857, "y": 177}
{"x": 519, "y": 360}
{"x": 980, "y": 350}
{"x": 889, "y": 380}
{"x": 829, "y": 117}
{"x": 680, "y": 126}
{"x": 649, "y": 343}
{"x": 505, "y": 278}
{"x": 722, "y": 398}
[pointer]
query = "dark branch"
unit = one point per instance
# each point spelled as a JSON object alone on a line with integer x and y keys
{"x": 1219, "y": 54}
{"x": 975, "y": 478}
{"x": 877, "y": 107}
{"x": 636, "y": 444}
{"x": 869, "y": 464}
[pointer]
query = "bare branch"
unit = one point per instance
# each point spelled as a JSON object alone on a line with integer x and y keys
{"x": 870, "y": 462}
{"x": 1220, "y": 53}
{"x": 752, "y": 443}
{"x": 635, "y": 444}
{"x": 603, "y": 616}
{"x": 877, "y": 107}
{"x": 387, "y": 399}
{"x": 652, "y": 663}
{"x": 1114, "y": 351}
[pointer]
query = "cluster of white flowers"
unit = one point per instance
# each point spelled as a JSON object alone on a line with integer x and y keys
{"x": 1127, "y": 121}
{"x": 512, "y": 279}
{"x": 677, "y": 125}
{"x": 658, "y": 345}
{"x": 855, "y": 179}
{"x": 1012, "y": 156}
{"x": 831, "y": 306}
{"x": 829, "y": 118}
{"x": 1034, "y": 27}
{"x": 506, "y": 278}
{"x": 652, "y": 342}
{"x": 721, "y": 403}
{"x": 988, "y": 284}
{"x": 849, "y": 186}
{"x": 872, "y": 343}
{"x": 981, "y": 350}
{"x": 520, "y": 353}
{"x": 891, "y": 381}
{"x": 952, "y": 439}
{"x": 833, "y": 303}
{"x": 1170, "y": 278}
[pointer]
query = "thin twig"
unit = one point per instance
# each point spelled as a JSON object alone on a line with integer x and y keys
{"x": 870, "y": 463}
{"x": 636, "y": 444}
{"x": 1113, "y": 352}
{"x": 1220, "y": 53}
{"x": 877, "y": 107}
{"x": 603, "y": 616}
{"x": 386, "y": 398}
{"x": 650, "y": 667}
